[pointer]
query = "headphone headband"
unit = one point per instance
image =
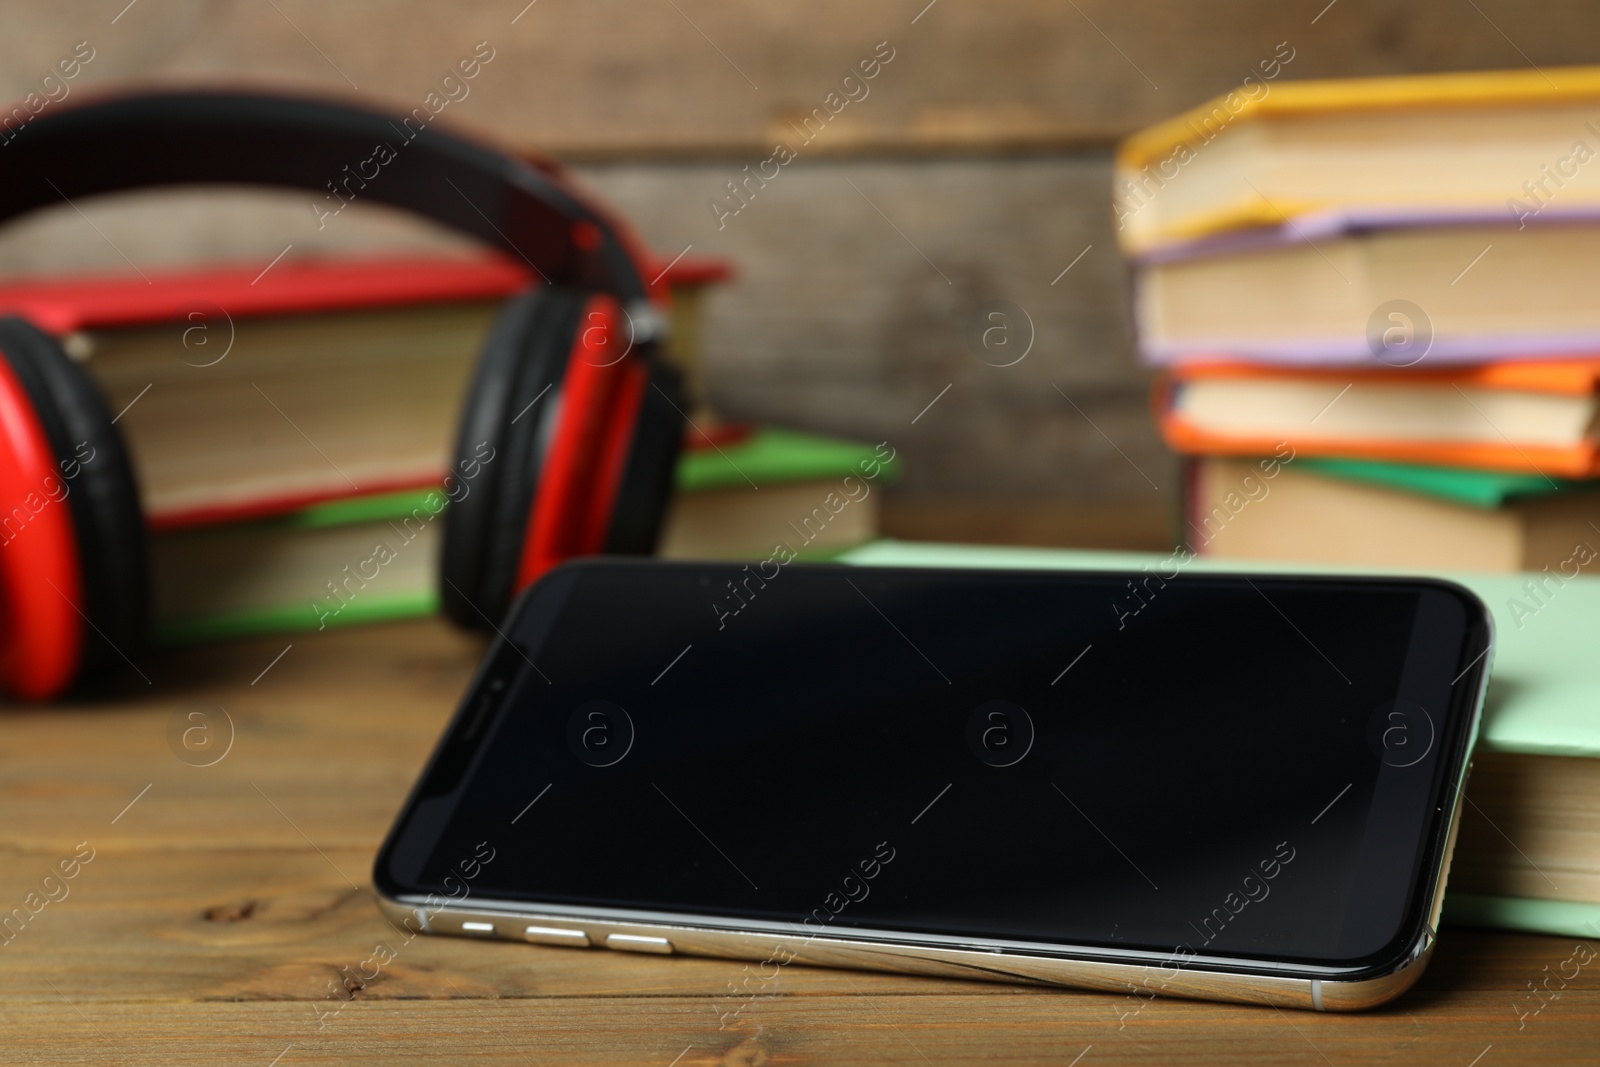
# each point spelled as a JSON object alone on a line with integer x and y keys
{"x": 233, "y": 138}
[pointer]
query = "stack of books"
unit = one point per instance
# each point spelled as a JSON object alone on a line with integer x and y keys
{"x": 291, "y": 432}
{"x": 1372, "y": 309}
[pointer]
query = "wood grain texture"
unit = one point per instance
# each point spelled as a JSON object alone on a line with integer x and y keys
{"x": 863, "y": 294}
{"x": 226, "y": 917}
{"x": 220, "y": 905}
{"x": 612, "y": 78}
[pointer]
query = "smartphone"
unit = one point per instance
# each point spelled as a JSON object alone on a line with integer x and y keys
{"x": 1231, "y": 787}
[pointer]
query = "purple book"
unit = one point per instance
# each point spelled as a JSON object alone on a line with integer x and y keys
{"x": 1317, "y": 227}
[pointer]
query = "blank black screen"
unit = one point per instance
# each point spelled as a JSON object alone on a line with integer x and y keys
{"x": 1236, "y": 767}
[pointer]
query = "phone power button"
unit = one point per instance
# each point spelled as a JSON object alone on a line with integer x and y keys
{"x": 635, "y": 943}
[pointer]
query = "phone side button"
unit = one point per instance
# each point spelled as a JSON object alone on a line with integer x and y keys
{"x": 635, "y": 943}
{"x": 478, "y": 929}
{"x": 555, "y": 935}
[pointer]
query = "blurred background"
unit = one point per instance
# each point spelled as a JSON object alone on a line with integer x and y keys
{"x": 971, "y": 175}
{"x": 977, "y": 168}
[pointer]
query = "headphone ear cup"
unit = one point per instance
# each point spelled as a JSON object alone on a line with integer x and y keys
{"x": 99, "y": 493}
{"x": 652, "y": 465}
{"x": 505, "y": 430}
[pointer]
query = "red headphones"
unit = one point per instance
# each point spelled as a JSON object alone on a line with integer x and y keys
{"x": 588, "y": 472}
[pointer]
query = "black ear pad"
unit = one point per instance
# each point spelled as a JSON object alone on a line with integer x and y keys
{"x": 509, "y": 416}
{"x": 102, "y": 497}
{"x": 651, "y": 467}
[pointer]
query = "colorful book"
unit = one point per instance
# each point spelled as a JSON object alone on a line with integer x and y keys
{"x": 1364, "y": 513}
{"x": 243, "y": 392}
{"x": 738, "y": 500}
{"x": 374, "y": 557}
{"x": 1525, "y": 418}
{"x": 1375, "y": 292}
{"x": 1476, "y": 488}
{"x": 1528, "y": 857}
{"x": 1510, "y": 144}
{"x": 357, "y": 560}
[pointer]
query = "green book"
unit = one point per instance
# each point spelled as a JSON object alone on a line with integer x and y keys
{"x": 1460, "y": 485}
{"x": 741, "y": 500}
{"x": 773, "y": 455}
{"x": 1542, "y": 718}
{"x": 305, "y": 570}
{"x": 374, "y": 558}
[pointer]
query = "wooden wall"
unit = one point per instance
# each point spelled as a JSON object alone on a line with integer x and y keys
{"x": 975, "y": 169}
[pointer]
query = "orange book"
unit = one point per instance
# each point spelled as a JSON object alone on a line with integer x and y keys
{"x": 1525, "y": 417}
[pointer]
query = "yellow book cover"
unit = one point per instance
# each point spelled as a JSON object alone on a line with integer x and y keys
{"x": 1485, "y": 144}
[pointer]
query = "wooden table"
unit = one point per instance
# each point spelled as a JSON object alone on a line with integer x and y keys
{"x": 226, "y": 916}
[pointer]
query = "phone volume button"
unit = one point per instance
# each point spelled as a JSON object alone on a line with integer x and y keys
{"x": 636, "y": 943}
{"x": 555, "y": 935}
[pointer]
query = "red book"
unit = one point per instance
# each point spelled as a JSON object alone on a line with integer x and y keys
{"x": 243, "y": 392}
